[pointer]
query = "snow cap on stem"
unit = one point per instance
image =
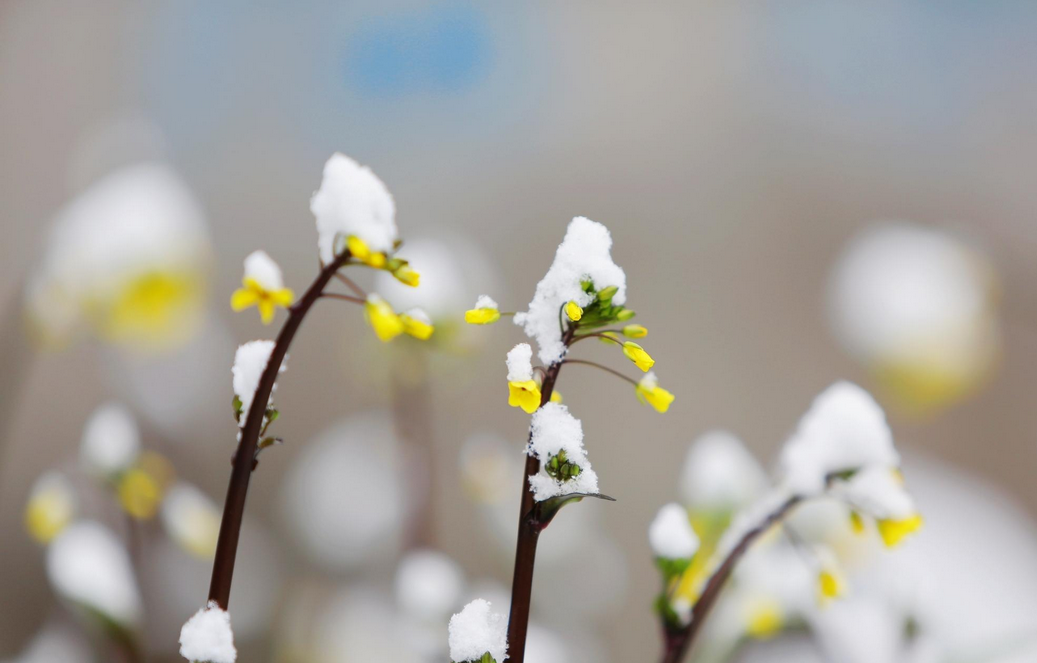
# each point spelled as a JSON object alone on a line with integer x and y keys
{"x": 476, "y": 631}
{"x": 583, "y": 255}
{"x": 556, "y": 439}
{"x": 671, "y": 535}
{"x": 352, "y": 202}
{"x": 250, "y": 361}
{"x": 207, "y": 636}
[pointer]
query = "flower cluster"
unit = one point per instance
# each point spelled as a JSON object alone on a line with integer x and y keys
{"x": 842, "y": 450}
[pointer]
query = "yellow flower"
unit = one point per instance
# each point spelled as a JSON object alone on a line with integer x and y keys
{"x": 830, "y": 585}
{"x": 635, "y": 331}
{"x": 481, "y": 316}
{"x": 253, "y": 294}
{"x": 764, "y": 618}
{"x": 263, "y": 287}
{"x": 139, "y": 494}
{"x": 648, "y": 391}
{"x": 50, "y": 508}
{"x": 525, "y": 394}
{"x": 417, "y": 323}
{"x": 387, "y": 325}
{"x": 895, "y": 531}
{"x": 154, "y": 309}
{"x": 358, "y": 249}
{"x": 637, "y": 354}
{"x": 556, "y": 396}
{"x": 406, "y": 275}
{"x": 573, "y": 310}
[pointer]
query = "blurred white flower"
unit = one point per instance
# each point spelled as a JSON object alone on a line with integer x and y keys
{"x": 128, "y": 258}
{"x": 343, "y": 499}
{"x": 111, "y": 440}
{"x": 360, "y": 625}
{"x": 916, "y": 306}
{"x": 54, "y": 644}
{"x": 88, "y": 566}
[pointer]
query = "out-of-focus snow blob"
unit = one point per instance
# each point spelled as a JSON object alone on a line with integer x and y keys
{"x": 428, "y": 584}
{"x": 53, "y": 644}
{"x": 191, "y": 519}
{"x": 207, "y": 637}
{"x": 720, "y": 475}
{"x": 343, "y": 499}
{"x": 671, "y": 535}
{"x": 88, "y": 566}
{"x": 127, "y": 258}
{"x": 360, "y": 624}
{"x": 916, "y": 306}
{"x": 111, "y": 441}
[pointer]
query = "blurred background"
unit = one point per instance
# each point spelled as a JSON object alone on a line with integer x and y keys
{"x": 799, "y": 192}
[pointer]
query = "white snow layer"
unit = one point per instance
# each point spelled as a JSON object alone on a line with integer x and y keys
{"x": 352, "y": 201}
{"x": 878, "y": 492}
{"x": 261, "y": 268}
{"x": 87, "y": 565}
{"x": 485, "y": 301}
{"x": 553, "y": 430}
{"x": 520, "y": 366}
{"x": 477, "y": 630}
{"x": 207, "y": 636}
{"x": 250, "y": 361}
{"x": 671, "y": 535}
{"x": 844, "y": 429}
{"x": 111, "y": 440}
{"x": 583, "y": 254}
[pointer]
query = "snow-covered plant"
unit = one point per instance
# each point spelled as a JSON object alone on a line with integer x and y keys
{"x": 842, "y": 449}
{"x": 583, "y": 296}
{"x": 356, "y": 226}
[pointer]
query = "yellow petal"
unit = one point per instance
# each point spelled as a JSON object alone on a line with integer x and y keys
{"x": 482, "y": 316}
{"x": 407, "y": 276}
{"x": 243, "y": 298}
{"x": 856, "y": 522}
{"x": 283, "y": 297}
{"x": 829, "y": 586}
{"x": 657, "y": 397}
{"x": 556, "y": 396}
{"x": 266, "y": 310}
{"x": 417, "y": 328}
{"x": 47, "y": 514}
{"x": 635, "y": 331}
{"x": 764, "y": 619}
{"x": 637, "y": 354}
{"x": 525, "y": 395}
{"x": 386, "y": 324}
{"x": 358, "y": 248}
{"x": 895, "y": 531}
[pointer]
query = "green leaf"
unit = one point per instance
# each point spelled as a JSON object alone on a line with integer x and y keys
{"x": 545, "y": 511}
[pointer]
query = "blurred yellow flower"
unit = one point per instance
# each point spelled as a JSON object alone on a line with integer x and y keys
{"x": 895, "y": 531}
{"x": 635, "y": 331}
{"x": 359, "y": 250}
{"x": 637, "y": 354}
{"x": 406, "y": 275}
{"x": 50, "y": 508}
{"x": 524, "y": 394}
{"x": 556, "y": 396}
{"x": 153, "y": 308}
{"x": 648, "y": 391}
{"x": 386, "y": 324}
{"x": 139, "y": 494}
{"x": 764, "y": 618}
{"x": 830, "y": 585}
{"x": 417, "y": 323}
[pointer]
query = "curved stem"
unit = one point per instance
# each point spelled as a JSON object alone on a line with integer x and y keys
{"x": 602, "y": 367}
{"x": 347, "y": 298}
{"x": 602, "y": 334}
{"x": 528, "y": 534}
{"x": 237, "y": 489}
{"x": 679, "y": 641}
{"x": 351, "y": 285}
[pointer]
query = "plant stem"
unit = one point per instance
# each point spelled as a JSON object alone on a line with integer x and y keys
{"x": 679, "y": 641}
{"x": 602, "y": 367}
{"x": 529, "y": 533}
{"x": 237, "y": 490}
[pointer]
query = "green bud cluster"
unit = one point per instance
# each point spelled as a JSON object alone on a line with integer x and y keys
{"x": 559, "y": 468}
{"x": 601, "y": 311}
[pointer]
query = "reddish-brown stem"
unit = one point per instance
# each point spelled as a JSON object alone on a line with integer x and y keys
{"x": 241, "y": 472}
{"x": 528, "y": 535}
{"x": 351, "y": 285}
{"x": 679, "y": 640}
{"x": 345, "y": 298}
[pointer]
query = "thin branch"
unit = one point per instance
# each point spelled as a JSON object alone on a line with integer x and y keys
{"x": 602, "y": 367}
{"x": 678, "y": 641}
{"x": 347, "y": 298}
{"x": 601, "y": 334}
{"x": 237, "y": 490}
{"x": 351, "y": 285}
{"x": 528, "y": 534}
